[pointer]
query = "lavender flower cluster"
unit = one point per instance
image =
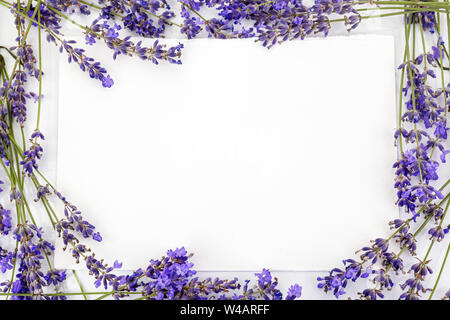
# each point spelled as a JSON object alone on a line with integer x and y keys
{"x": 31, "y": 255}
{"x": 171, "y": 277}
{"x": 269, "y": 22}
{"x": 421, "y": 138}
{"x": 423, "y": 107}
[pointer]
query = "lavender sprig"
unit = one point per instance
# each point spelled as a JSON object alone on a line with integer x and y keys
{"x": 416, "y": 169}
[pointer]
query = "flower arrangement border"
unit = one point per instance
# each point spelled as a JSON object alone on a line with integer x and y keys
{"x": 421, "y": 135}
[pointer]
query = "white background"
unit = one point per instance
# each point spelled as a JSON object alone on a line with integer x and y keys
{"x": 258, "y": 152}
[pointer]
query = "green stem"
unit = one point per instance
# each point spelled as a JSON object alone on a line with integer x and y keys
{"x": 13, "y": 270}
{"x": 79, "y": 284}
{"x": 440, "y": 273}
{"x": 402, "y": 78}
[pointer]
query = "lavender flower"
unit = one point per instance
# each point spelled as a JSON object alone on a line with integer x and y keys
{"x": 294, "y": 292}
{"x": 54, "y": 277}
{"x": 25, "y": 53}
{"x": 414, "y": 285}
{"x": 94, "y": 69}
{"x": 337, "y": 279}
{"x": 43, "y": 191}
{"x": 74, "y": 222}
{"x": 17, "y": 96}
{"x": 70, "y": 6}
{"x": 437, "y": 233}
{"x": 31, "y": 155}
{"x": 5, "y": 221}
{"x": 6, "y": 260}
{"x": 30, "y": 256}
{"x": 426, "y": 18}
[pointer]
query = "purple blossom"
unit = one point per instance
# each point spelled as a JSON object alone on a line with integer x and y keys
{"x": 31, "y": 156}
{"x": 337, "y": 279}
{"x": 294, "y": 292}
{"x": 6, "y": 260}
{"x": 54, "y": 277}
{"x": 437, "y": 233}
{"x": 30, "y": 279}
{"x": 426, "y": 18}
{"x": 5, "y": 221}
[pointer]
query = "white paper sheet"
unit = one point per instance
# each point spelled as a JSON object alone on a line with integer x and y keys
{"x": 249, "y": 157}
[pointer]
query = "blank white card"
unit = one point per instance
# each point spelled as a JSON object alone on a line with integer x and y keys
{"x": 248, "y": 157}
